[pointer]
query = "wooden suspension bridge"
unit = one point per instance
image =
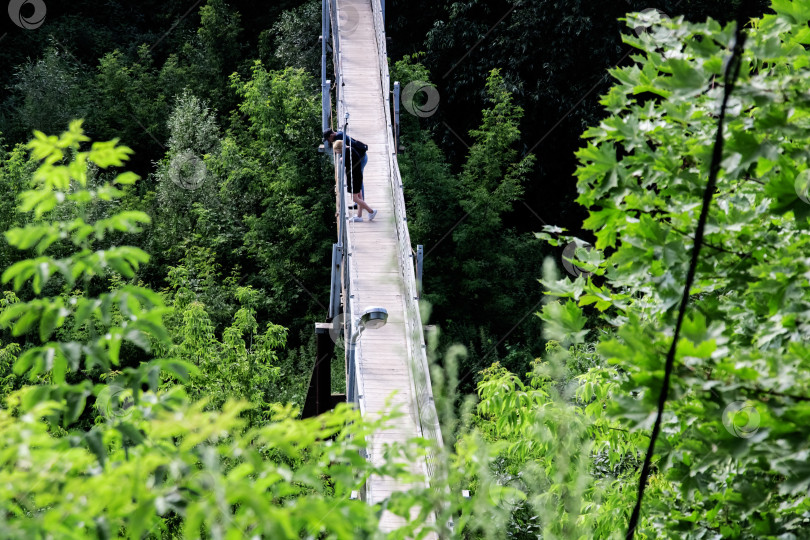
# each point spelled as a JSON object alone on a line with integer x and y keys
{"x": 374, "y": 300}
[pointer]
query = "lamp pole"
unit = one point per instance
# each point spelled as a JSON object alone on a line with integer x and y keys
{"x": 351, "y": 388}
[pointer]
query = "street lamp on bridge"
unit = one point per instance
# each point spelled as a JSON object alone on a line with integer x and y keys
{"x": 372, "y": 318}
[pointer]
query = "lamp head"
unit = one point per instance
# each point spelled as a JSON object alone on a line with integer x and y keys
{"x": 373, "y": 318}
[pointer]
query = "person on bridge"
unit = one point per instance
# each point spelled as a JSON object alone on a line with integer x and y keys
{"x": 354, "y": 165}
{"x": 361, "y": 147}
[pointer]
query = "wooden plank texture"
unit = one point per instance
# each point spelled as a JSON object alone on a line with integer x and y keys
{"x": 374, "y": 271}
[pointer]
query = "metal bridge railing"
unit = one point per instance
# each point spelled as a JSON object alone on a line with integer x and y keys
{"x": 343, "y": 248}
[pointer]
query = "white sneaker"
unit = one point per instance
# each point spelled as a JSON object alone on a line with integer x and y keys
{"x": 356, "y": 218}
{"x": 372, "y": 215}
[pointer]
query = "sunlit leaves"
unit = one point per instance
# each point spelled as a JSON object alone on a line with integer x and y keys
{"x": 751, "y": 296}
{"x": 127, "y": 178}
{"x": 564, "y": 322}
{"x": 42, "y": 236}
{"x": 558, "y": 445}
{"x": 126, "y": 314}
{"x": 109, "y": 154}
{"x": 133, "y": 471}
{"x": 124, "y": 260}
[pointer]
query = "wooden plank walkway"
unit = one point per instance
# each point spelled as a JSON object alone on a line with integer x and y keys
{"x": 382, "y": 354}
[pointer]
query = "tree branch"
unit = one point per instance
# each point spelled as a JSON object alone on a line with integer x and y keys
{"x": 762, "y": 391}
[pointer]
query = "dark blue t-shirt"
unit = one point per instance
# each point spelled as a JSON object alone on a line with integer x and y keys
{"x": 357, "y": 146}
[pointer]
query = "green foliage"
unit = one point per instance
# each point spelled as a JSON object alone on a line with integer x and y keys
{"x": 290, "y": 41}
{"x": 133, "y": 98}
{"x": 16, "y": 170}
{"x": 214, "y": 52}
{"x": 192, "y": 125}
{"x": 9, "y": 353}
{"x": 186, "y": 188}
{"x": 566, "y": 468}
{"x": 126, "y": 315}
{"x": 135, "y": 455}
{"x": 105, "y": 443}
{"x": 733, "y": 444}
{"x": 278, "y": 105}
{"x": 50, "y": 91}
{"x": 553, "y": 57}
{"x": 465, "y": 223}
{"x": 207, "y": 470}
{"x": 428, "y": 179}
{"x": 287, "y": 230}
{"x": 242, "y": 366}
{"x": 156, "y": 76}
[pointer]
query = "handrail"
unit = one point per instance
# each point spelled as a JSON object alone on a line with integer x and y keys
{"x": 344, "y": 241}
{"x": 354, "y": 378}
{"x": 428, "y": 421}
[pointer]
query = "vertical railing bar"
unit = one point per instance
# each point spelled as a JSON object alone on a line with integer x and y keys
{"x": 420, "y": 258}
{"x": 397, "y": 93}
{"x": 324, "y": 85}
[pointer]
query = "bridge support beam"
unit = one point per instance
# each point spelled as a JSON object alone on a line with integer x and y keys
{"x": 319, "y": 396}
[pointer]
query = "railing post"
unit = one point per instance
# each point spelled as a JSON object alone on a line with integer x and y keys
{"x": 420, "y": 259}
{"x": 342, "y": 186}
{"x": 324, "y": 85}
{"x": 334, "y": 295}
{"x": 397, "y": 93}
{"x": 326, "y": 105}
{"x": 351, "y": 372}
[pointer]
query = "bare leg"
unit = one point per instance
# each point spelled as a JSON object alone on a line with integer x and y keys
{"x": 361, "y": 204}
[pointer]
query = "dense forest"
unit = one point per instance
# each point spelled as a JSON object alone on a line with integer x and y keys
{"x": 613, "y": 202}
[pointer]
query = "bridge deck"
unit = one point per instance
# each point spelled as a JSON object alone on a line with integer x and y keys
{"x": 374, "y": 272}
